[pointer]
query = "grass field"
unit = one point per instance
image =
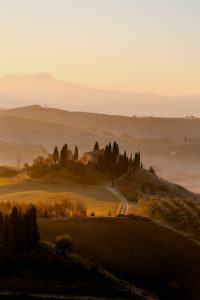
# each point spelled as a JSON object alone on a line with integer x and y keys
{"x": 96, "y": 198}
{"x": 149, "y": 255}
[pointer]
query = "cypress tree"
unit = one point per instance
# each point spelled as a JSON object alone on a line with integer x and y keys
{"x": 7, "y": 233}
{"x": 14, "y": 229}
{"x": 96, "y": 146}
{"x": 115, "y": 152}
{"x": 33, "y": 229}
{"x": 76, "y": 153}
{"x": 55, "y": 156}
{"x": 64, "y": 156}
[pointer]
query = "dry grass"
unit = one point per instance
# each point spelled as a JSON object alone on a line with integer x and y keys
{"x": 142, "y": 184}
{"x": 144, "y": 252}
{"x": 96, "y": 198}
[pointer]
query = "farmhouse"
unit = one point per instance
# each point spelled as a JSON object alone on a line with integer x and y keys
{"x": 92, "y": 156}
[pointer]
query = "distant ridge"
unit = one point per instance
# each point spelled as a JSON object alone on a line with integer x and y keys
{"x": 41, "y": 88}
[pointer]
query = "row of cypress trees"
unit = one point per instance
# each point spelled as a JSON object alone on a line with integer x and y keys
{"x": 64, "y": 155}
{"x": 114, "y": 164}
{"x": 19, "y": 230}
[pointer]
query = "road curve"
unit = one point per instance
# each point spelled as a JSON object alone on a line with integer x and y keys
{"x": 124, "y": 202}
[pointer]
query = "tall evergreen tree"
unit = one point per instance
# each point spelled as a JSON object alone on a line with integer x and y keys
{"x": 75, "y": 153}
{"x": 64, "y": 155}
{"x": 33, "y": 229}
{"x": 96, "y": 146}
{"x": 7, "y": 233}
{"x": 20, "y": 230}
{"x": 15, "y": 230}
{"x": 55, "y": 156}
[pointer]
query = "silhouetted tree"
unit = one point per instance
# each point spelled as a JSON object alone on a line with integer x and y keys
{"x": 20, "y": 230}
{"x": 64, "y": 156}
{"x": 33, "y": 228}
{"x": 75, "y": 153}
{"x": 96, "y": 146}
{"x": 55, "y": 156}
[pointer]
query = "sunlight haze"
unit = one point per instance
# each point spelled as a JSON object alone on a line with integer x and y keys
{"x": 132, "y": 45}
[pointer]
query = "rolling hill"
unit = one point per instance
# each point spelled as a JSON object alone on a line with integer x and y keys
{"x": 16, "y": 154}
{"x": 160, "y": 140}
{"x": 143, "y": 252}
{"x": 41, "y": 88}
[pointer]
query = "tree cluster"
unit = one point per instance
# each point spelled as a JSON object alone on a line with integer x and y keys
{"x": 64, "y": 156}
{"x": 46, "y": 208}
{"x": 114, "y": 164}
{"x": 108, "y": 162}
{"x": 19, "y": 230}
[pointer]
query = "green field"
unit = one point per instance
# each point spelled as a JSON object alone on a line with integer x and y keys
{"x": 96, "y": 198}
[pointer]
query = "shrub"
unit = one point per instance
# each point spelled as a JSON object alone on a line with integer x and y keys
{"x": 151, "y": 169}
{"x": 63, "y": 245}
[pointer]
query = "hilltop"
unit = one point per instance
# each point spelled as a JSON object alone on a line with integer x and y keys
{"x": 160, "y": 140}
{"x": 42, "y": 88}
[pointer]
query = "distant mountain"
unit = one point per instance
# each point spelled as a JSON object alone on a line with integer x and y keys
{"x": 42, "y": 89}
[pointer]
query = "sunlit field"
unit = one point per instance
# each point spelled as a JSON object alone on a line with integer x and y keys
{"x": 95, "y": 198}
{"x": 7, "y": 181}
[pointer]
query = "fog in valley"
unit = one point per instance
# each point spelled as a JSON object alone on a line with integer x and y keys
{"x": 170, "y": 145}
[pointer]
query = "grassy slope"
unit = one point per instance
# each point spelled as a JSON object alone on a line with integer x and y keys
{"x": 156, "y": 138}
{"x": 143, "y": 184}
{"x": 96, "y": 198}
{"x": 148, "y": 128}
{"x": 144, "y": 252}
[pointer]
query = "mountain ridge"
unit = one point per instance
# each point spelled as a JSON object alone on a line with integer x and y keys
{"x": 25, "y": 89}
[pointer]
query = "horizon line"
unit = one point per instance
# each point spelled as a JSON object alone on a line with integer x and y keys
{"x": 53, "y": 77}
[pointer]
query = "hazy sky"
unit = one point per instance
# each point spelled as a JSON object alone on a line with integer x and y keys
{"x": 133, "y": 45}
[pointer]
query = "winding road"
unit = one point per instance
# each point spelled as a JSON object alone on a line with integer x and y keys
{"x": 124, "y": 202}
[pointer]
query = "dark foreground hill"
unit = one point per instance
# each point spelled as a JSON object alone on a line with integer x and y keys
{"x": 44, "y": 273}
{"x": 143, "y": 252}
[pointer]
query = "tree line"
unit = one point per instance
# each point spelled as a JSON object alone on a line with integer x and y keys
{"x": 19, "y": 231}
{"x": 108, "y": 161}
{"x": 46, "y": 208}
{"x": 114, "y": 164}
{"x": 64, "y": 155}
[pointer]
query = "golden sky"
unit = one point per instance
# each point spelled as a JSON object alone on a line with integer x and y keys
{"x": 130, "y": 45}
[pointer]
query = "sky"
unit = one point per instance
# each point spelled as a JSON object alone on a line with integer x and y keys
{"x": 129, "y": 45}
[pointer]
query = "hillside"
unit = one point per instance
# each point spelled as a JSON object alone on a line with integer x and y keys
{"x": 41, "y": 88}
{"x": 16, "y": 154}
{"x": 141, "y": 251}
{"x": 160, "y": 140}
{"x": 24, "y": 130}
{"x": 161, "y": 200}
{"x": 20, "y": 191}
{"x": 143, "y": 184}
{"x": 174, "y": 129}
